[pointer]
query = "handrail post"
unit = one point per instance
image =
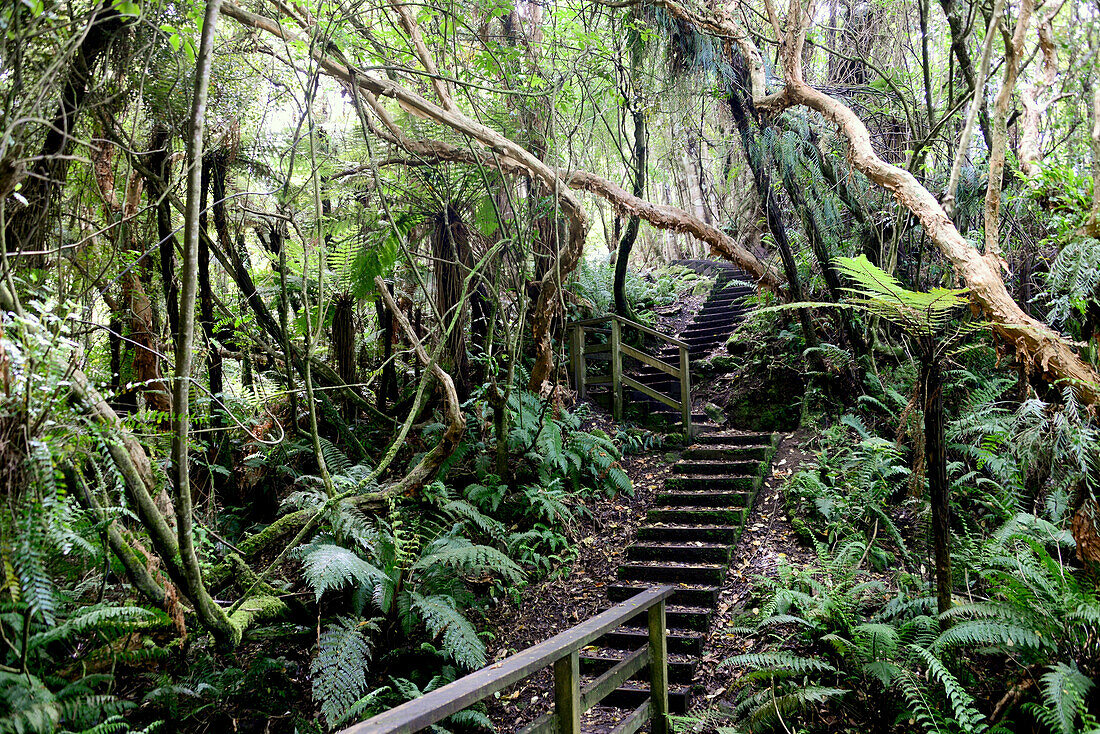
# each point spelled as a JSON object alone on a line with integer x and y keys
{"x": 658, "y": 669}
{"x": 685, "y": 392}
{"x": 567, "y": 693}
{"x": 616, "y": 371}
{"x": 580, "y": 366}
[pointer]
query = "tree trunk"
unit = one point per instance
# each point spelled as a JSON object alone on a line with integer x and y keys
{"x": 1014, "y": 49}
{"x": 740, "y": 107}
{"x": 157, "y": 184}
{"x": 429, "y": 464}
{"x": 1094, "y": 220}
{"x": 206, "y": 295}
{"x": 626, "y": 244}
{"x": 213, "y": 617}
{"x": 935, "y": 467}
{"x": 24, "y": 231}
{"x": 962, "y": 52}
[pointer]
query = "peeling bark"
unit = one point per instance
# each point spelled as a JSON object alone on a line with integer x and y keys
{"x": 1035, "y": 342}
{"x": 1035, "y": 97}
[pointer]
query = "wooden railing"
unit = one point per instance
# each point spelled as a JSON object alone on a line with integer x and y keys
{"x": 615, "y": 347}
{"x": 563, "y": 653}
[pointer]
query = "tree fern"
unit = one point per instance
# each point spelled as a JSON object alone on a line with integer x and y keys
{"x": 883, "y": 295}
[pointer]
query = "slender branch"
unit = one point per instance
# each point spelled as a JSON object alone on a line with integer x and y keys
{"x": 212, "y": 616}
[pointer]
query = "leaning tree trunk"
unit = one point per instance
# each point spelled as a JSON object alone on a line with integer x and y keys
{"x": 213, "y": 617}
{"x": 1035, "y": 341}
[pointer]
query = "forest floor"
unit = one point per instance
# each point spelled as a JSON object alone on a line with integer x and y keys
{"x": 576, "y": 592}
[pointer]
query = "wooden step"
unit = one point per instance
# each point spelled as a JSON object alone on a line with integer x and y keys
{"x": 739, "y": 439}
{"x": 679, "y": 618}
{"x": 597, "y": 662}
{"x": 698, "y": 552}
{"x": 675, "y": 573}
{"x": 730, "y": 453}
{"x": 696, "y": 515}
{"x": 716, "y": 467}
{"x": 713, "y": 483}
{"x": 633, "y": 694}
{"x": 718, "y": 315}
{"x": 696, "y": 595}
{"x": 704, "y": 499}
{"x": 681, "y": 642}
{"x": 706, "y": 329}
{"x": 673, "y": 533}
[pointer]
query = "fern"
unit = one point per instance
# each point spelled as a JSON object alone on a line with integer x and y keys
{"x": 462, "y": 554}
{"x": 105, "y": 620}
{"x": 883, "y": 295}
{"x": 989, "y": 634}
{"x": 443, "y": 620}
{"x": 339, "y": 670}
{"x": 327, "y": 566}
{"x": 962, "y": 703}
{"x": 1065, "y": 691}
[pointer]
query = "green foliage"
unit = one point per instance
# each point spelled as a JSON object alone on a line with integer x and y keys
{"x": 856, "y": 476}
{"x": 339, "y": 670}
{"x": 593, "y": 280}
{"x": 558, "y": 448}
{"x": 1064, "y": 709}
{"x": 921, "y": 314}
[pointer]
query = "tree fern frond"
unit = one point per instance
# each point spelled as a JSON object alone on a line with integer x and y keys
{"x": 327, "y": 566}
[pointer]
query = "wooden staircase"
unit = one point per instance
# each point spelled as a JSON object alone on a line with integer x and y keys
{"x": 688, "y": 540}
{"x": 719, "y": 315}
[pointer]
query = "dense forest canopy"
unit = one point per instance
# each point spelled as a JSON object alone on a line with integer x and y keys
{"x": 289, "y": 383}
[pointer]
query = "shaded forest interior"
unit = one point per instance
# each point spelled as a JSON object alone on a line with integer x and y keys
{"x": 289, "y": 426}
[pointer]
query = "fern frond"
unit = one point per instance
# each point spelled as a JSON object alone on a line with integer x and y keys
{"x": 984, "y": 633}
{"x": 779, "y": 661}
{"x": 327, "y": 566}
{"x": 339, "y": 670}
{"x": 443, "y": 620}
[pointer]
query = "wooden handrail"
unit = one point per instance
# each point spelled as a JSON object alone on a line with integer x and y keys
{"x": 561, "y": 651}
{"x": 617, "y": 349}
{"x": 632, "y": 324}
